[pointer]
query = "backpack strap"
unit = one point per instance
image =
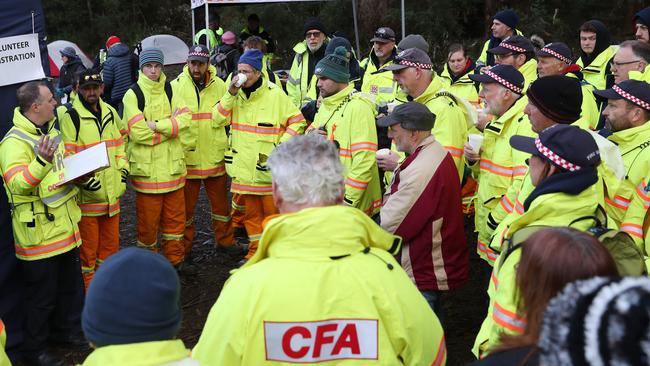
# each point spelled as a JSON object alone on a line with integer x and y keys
{"x": 169, "y": 91}
{"x": 139, "y": 95}
{"x": 74, "y": 116}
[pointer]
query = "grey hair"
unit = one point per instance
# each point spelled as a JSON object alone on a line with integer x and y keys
{"x": 306, "y": 170}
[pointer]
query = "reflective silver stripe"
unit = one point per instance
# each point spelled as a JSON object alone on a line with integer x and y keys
{"x": 386, "y": 90}
{"x": 57, "y": 196}
{"x": 293, "y": 81}
{"x": 20, "y": 134}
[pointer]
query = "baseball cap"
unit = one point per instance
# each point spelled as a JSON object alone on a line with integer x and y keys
{"x": 513, "y": 44}
{"x": 565, "y": 146}
{"x": 411, "y": 116}
{"x": 412, "y": 57}
{"x": 557, "y": 50}
{"x": 634, "y": 91}
{"x": 199, "y": 53}
{"x": 89, "y": 77}
{"x": 506, "y": 75}
{"x": 384, "y": 35}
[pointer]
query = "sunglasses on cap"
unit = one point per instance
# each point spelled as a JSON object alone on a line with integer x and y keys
{"x": 93, "y": 77}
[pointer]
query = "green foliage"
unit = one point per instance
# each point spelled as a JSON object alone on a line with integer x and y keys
{"x": 89, "y": 22}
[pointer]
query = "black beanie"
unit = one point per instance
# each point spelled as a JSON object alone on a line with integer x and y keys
{"x": 508, "y": 17}
{"x": 313, "y": 23}
{"x": 643, "y": 17}
{"x": 558, "y": 97}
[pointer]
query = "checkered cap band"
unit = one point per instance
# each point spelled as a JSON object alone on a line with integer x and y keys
{"x": 415, "y": 64}
{"x": 558, "y": 160}
{"x": 556, "y": 55}
{"x": 504, "y": 82}
{"x": 199, "y": 53}
{"x": 631, "y": 98}
{"x": 512, "y": 47}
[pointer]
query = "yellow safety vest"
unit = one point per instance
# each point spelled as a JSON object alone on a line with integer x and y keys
{"x": 156, "y": 158}
{"x": 106, "y": 200}
{"x": 594, "y": 73}
{"x": 44, "y": 215}
{"x": 257, "y": 125}
{"x": 169, "y": 353}
{"x": 204, "y": 142}
{"x": 350, "y": 121}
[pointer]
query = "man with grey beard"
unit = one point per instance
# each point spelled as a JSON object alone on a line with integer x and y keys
{"x": 308, "y": 53}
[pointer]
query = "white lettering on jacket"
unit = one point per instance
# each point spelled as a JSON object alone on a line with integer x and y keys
{"x": 318, "y": 341}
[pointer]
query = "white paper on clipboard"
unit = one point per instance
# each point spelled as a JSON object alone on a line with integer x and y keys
{"x": 84, "y": 162}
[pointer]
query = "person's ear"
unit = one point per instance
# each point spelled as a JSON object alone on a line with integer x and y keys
{"x": 550, "y": 169}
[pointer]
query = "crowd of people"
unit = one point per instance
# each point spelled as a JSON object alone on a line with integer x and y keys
{"x": 343, "y": 185}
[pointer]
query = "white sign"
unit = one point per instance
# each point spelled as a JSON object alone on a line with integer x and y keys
{"x": 326, "y": 340}
{"x": 84, "y": 162}
{"x": 20, "y": 59}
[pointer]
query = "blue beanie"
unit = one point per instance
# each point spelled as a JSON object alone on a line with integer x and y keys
{"x": 151, "y": 54}
{"x": 133, "y": 298}
{"x": 252, "y": 57}
{"x": 508, "y": 17}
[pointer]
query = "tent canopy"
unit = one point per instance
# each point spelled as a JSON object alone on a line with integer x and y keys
{"x": 173, "y": 48}
{"x": 55, "y": 57}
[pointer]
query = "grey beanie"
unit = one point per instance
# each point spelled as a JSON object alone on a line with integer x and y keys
{"x": 413, "y": 41}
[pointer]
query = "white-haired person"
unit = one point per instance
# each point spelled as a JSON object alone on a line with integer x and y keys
{"x": 323, "y": 284}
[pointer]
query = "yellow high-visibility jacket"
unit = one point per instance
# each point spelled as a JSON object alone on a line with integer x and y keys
{"x": 204, "y": 142}
{"x": 529, "y": 71}
{"x": 257, "y": 125}
{"x": 271, "y": 313}
{"x": 105, "y": 200}
{"x": 501, "y": 169}
{"x": 299, "y": 82}
{"x": 44, "y": 215}
{"x": 637, "y": 218}
{"x": 154, "y": 353}
{"x": 595, "y": 72}
{"x": 378, "y": 81}
{"x": 350, "y": 120}
{"x": 634, "y": 144}
{"x": 4, "y": 360}
{"x": 156, "y": 158}
{"x": 464, "y": 87}
{"x": 552, "y": 209}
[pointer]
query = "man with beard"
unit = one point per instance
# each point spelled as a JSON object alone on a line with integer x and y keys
{"x": 503, "y": 26}
{"x": 641, "y": 24}
{"x": 204, "y": 144}
{"x": 308, "y": 53}
{"x": 348, "y": 120}
{"x": 377, "y": 80}
{"x": 88, "y": 122}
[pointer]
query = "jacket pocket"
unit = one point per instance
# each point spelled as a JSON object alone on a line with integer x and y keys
{"x": 140, "y": 160}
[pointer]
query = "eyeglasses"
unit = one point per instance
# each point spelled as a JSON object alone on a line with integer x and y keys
{"x": 618, "y": 64}
{"x": 313, "y": 34}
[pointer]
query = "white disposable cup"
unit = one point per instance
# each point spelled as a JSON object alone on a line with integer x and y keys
{"x": 241, "y": 79}
{"x": 383, "y": 152}
{"x": 475, "y": 141}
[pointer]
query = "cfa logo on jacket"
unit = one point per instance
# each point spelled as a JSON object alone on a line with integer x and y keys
{"x": 318, "y": 341}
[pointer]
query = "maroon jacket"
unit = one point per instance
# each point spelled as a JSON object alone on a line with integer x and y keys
{"x": 423, "y": 206}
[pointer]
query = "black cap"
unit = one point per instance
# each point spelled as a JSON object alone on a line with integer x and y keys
{"x": 89, "y": 77}
{"x": 508, "y": 17}
{"x": 411, "y": 116}
{"x": 513, "y": 44}
{"x": 558, "y": 97}
{"x": 558, "y": 50}
{"x": 565, "y": 146}
{"x": 384, "y": 35}
{"x": 634, "y": 91}
{"x": 412, "y": 57}
{"x": 506, "y": 75}
{"x": 643, "y": 16}
{"x": 199, "y": 53}
{"x": 313, "y": 23}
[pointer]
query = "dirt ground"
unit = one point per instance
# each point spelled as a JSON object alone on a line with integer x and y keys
{"x": 464, "y": 307}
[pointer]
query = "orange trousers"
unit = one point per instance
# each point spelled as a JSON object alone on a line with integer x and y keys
{"x": 167, "y": 212}
{"x": 216, "y": 190}
{"x": 100, "y": 238}
{"x": 258, "y": 208}
{"x": 238, "y": 210}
